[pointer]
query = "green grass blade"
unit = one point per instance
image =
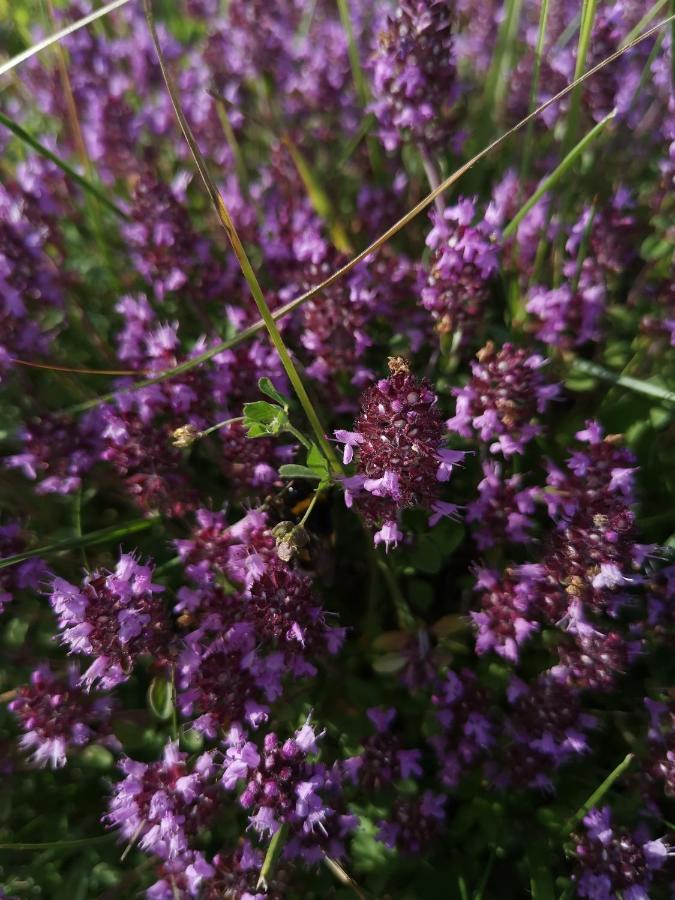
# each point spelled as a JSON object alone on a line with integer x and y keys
{"x": 498, "y": 77}
{"x": 343, "y": 876}
{"x": 480, "y": 890}
{"x": 598, "y": 794}
{"x": 585, "y": 32}
{"x": 534, "y": 90}
{"x": 59, "y": 35}
{"x": 272, "y": 856}
{"x": 541, "y": 882}
{"x": 551, "y": 180}
{"x": 378, "y": 242}
{"x": 112, "y": 533}
{"x": 318, "y": 197}
{"x": 239, "y": 251}
{"x": 67, "y": 169}
{"x": 638, "y": 385}
{"x": 360, "y": 83}
{"x": 57, "y": 845}
{"x": 354, "y": 60}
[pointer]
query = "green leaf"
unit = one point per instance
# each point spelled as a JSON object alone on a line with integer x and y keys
{"x": 290, "y": 470}
{"x": 541, "y": 880}
{"x": 263, "y": 418}
{"x": 86, "y": 540}
{"x": 551, "y": 180}
{"x": 640, "y": 386}
{"x": 655, "y": 247}
{"x": 160, "y": 698}
{"x": 426, "y": 556}
{"x": 266, "y": 387}
{"x": 421, "y": 594}
{"x": 97, "y": 757}
{"x": 261, "y": 411}
{"x": 318, "y": 463}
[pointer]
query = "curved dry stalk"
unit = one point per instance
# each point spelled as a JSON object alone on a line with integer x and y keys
{"x": 383, "y": 238}
{"x": 73, "y": 370}
{"x": 242, "y": 257}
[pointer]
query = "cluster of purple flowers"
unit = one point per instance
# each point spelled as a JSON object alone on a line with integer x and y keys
{"x": 162, "y": 804}
{"x": 515, "y": 635}
{"x": 57, "y": 716}
{"x": 614, "y": 863}
{"x": 114, "y": 617}
{"x": 29, "y": 280}
{"x": 465, "y": 259}
{"x": 397, "y": 446}
{"x": 504, "y": 394}
{"x": 25, "y": 575}
{"x": 415, "y": 76}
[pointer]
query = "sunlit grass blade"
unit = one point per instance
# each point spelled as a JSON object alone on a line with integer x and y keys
{"x": 318, "y": 197}
{"x": 360, "y": 83}
{"x": 233, "y": 143}
{"x": 585, "y": 32}
{"x": 598, "y": 794}
{"x": 498, "y": 80}
{"x": 379, "y": 241}
{"x": 272, "y": 856}
{"x": 114, "y": 532}
{"x": 343, "y": 877}
{"x": 59, "y": 35}
{"x": 353, "y": 52}
{"x": 556, "y": 175}
{"x": 239, "y": 251}
{"x": 34, "y": 144}
{"x": 638, "y": 385}
{"x": 534, "y": 89}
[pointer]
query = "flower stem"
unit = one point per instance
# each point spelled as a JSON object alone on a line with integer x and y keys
{"x": 406, "y": 620}
{"x": 309, "y": 509}
{"x": 599, "y": 793}
{"x": 219, "y": 425}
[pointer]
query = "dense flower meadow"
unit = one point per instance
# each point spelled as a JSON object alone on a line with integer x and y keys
{"x": 336, "y": 558}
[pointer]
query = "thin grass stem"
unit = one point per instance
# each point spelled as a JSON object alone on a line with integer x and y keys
{"x": 585, "y": 32}
{"x": 239, "y": 251}
{"x": 551, "y": 180}
{"x": 534, "y": 90}
{"x": 379, "y": 241}
{"x": 34, "y": 144}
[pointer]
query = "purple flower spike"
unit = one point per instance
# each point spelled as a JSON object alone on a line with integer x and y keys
{"x": 114, "y": 617}
{"x": 57, "y": 716}
{"x": 414, "y": 75}
{"x": 163, "y": 804}
{"x": 398, "y": 452}
{"x": 504, "y": 394}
